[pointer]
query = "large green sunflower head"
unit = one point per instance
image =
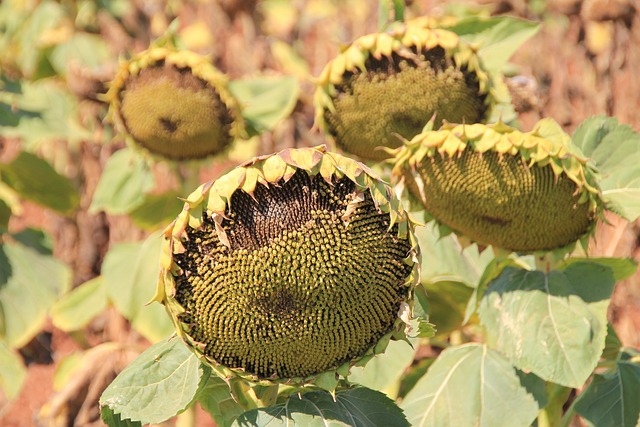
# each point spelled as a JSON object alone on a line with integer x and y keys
{"x": 291, "y": 268}
{"x": 521, "y": 191}
{"x": 174, "y": 105}
{"x": 386, "y": 87}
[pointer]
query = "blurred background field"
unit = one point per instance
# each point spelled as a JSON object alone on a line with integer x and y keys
{"x": 57, "y": 56}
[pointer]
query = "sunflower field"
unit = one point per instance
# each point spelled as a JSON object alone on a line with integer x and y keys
{"x": 319, "y": 213}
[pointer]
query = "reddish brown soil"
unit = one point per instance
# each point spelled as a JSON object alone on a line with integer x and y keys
{"x": 38, "y": 387}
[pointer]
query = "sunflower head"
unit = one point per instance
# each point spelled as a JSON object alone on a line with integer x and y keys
{"x": 174, "y": 105}
{"x": 524, "y": 192}
{"x": 386, "y": 87}
{"x": 290, "y": 269}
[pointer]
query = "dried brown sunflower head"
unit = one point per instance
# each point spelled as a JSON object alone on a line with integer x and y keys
{"x": 174, "y": 105}
{"x": 520, "y": 191}
{"x": 386, "y": 87}
{"x": 291, "y": 268}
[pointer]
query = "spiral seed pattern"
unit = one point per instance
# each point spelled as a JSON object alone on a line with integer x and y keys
{"x": 498, "y": 200}
{"x": 396, "y": 97}
{"x": 300, "y": 290}
{"x": 173, "y": 113}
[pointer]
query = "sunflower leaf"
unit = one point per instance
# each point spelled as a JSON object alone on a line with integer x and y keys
{"x": 552, "y": 324}
{"x": 266, "y": 100}
{"x": 356, "y": 407}
{"x": 611, "y": 399}
{"x": 497, "y": 37}
{"x": 615, "y": 150}
{"x": 123, "y": 184}
{"x": 159, "y": 384}
{"x": 30, "y": 283}
{"x": 35, "y": 179}
{"x": 470, "y": 385}
{"x": 12, "y": 371}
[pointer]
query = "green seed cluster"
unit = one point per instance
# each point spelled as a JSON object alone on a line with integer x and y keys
{"x": 302, "y": 289}
{"x": 498, "y": 200}
{"x": 396, "y": 97}
{"x": 173, "y": 113}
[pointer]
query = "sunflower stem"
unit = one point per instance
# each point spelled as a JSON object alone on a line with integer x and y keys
{"x": 390, "y": 11}
{"x": 569, "y": 415}
{"x": 551, "y": 415}
{"x": 398, "y": 10}
{"x": 187, "y": 418}
{"x": 189, "y": 176}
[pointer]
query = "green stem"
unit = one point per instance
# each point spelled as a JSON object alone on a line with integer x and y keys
{"x": 435, "y": 342}
{"x": 568, "y": 416}
{"x": 551, "y": 415}
{"x": 398, "y": 10}
{"x": 390, "y": 11}
{"x": 544, "y": 419}
{"x": 606, "y": 364}
{"x": 383, "y": 14}
{"x": 187, "y": 418}
{"x": 188, "y": 175}
{"x": 456, "y": 338}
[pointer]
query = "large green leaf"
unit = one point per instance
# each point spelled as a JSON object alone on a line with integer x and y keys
{"x": 81, "y": 50}
{"x": 41, "y": 111}
{"x": 215, "y": 398}
{"x": 130, "y": 273}
{"x": 34, "y": 179}
{"x": 266, "y": 101}
{"x": 36, "y": 239}
{"x": 615, "y": 150}
{"x": 622, "y": 268}
{"x": 612, "y": 345}
{"x": 114, "y": 420}
{"x": 384, "y": 371}
{"x": 447, "y": 265}
{"x": 552, "y": 324}
{"x": 123, "y": 184}
{"x": 5, "y": 215}
{"x": 498, "y": 38}
{"x": 413, "y": 375}
{"x": 12, "y": 371}
{"x": 470, "y": 385}
{"x": 157, "y": 210}
{"x": 24, "y": 31}
{"x": 356, "y": 407}
{"x": 444, "y": 259}
{"x": 612, "y": 399}
{"x": 492, "y": 270}
{"x": 152, "y": 322}
{"x": 159, "y": 384}
{"x": 29, "y": 285}
{"x": 76, "y": 309}
{"x": 447, "y": 302}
